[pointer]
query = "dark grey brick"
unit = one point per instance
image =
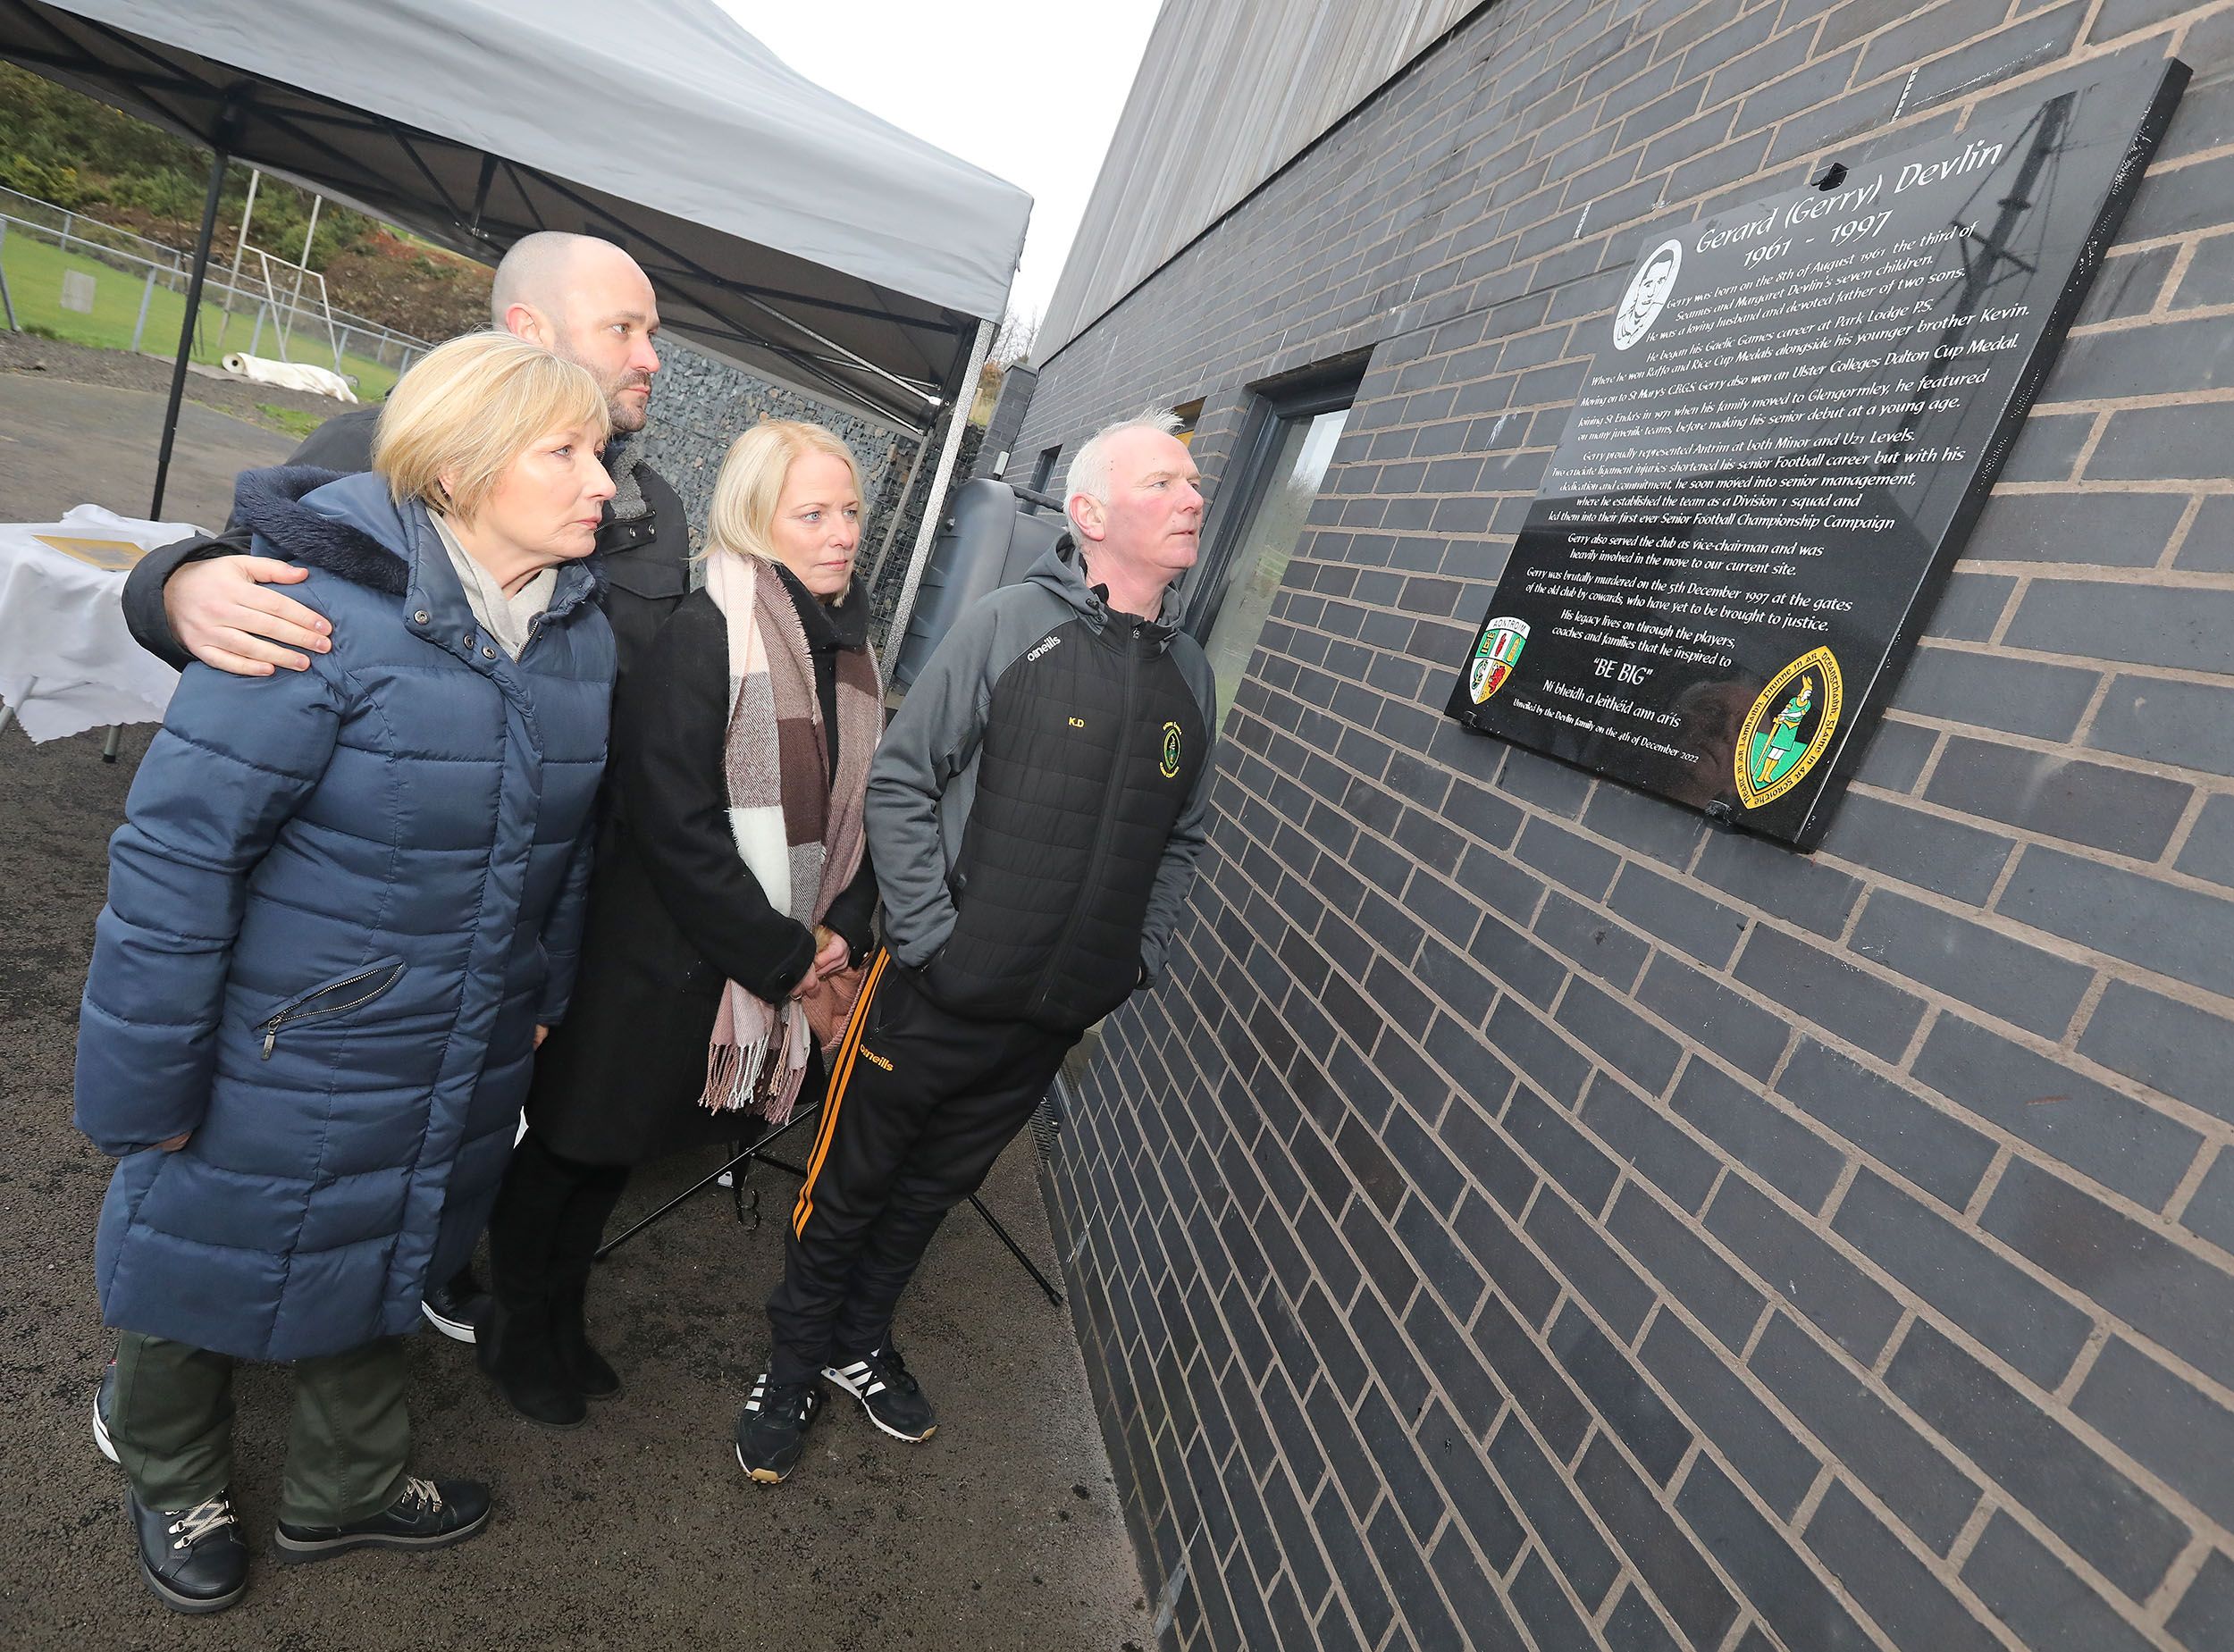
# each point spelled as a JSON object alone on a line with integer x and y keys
{"x": 1798, "y": 1605}
{"x": 1792, "y": 886}
{"x": 1895, "y": 755}
{"x": 1649, "y": 824}
{"x": 2021, "y": 696}
{"x": 2211, "y": 1210}
{"x": 1677, "y": 914}
{"x": 2040, "y": 1597}
{"x": 2120, "y": 1528}
{"x": 1544, "y": 1497}
{"x": 2209, "y": 547}
{"x": 1531, "y": 1377}
{"x": 2172, "y": 1046}
{"x": 2047, "y": 447}
{"x": 1399, "y": 1466}
{"x": 1632, "y": 1627}
{"x": 2169, "y": 1294}
{"x": 1724, "y": 1301}
{"x": 1971, "y": 606}
{"x": 1641, "y": 1135}
{"x": 1536, "y": 1050}
{"x": 2204, "y": 1618}
{"x": 2210, "y": 850}
{"x": 2186, "y": 629}
{"x": 1511, "y": 1267}
{"x": 1473, "y": 1597}
{"x": 2161, "y": 926}
{"x": 1656, "y": 1544}
{"x": 1830, "y": 992}
{"x": 1926, "y": 849}
{"x": 2165, "y": 721}
{"x": 1605, "y": 948}
{"x": 2152, "y": 443}
{"x": 1849, "y": 1306}
{"x": 2162, "y": 1422}
{"x": 1785, "y": 1154}
{"x": 1592, "y": 1267}
{"x": 1624, "y": 1400}
{"x": 1340, "y": 1534}
{"x": 1567, "y": 857}
{"x": 2116, "y": 530}
{"x": 2119, "y": 1142}
{"x": 1721, "y": 1406}
{"x": 1894, "y": 1587}
{"x": 2009, "y": 1310}
{"x": 1939, "y": 1154}
{"x": 1455, "y": 1459}
{"x": 2091, "y": 803}
{"x": 1543, "y": 1606}
{"x": 1551, "y": 786}
{"x": 1996, "y": 971}
{"x": 1734, "y": 1028}
{"x": 1568, "y": 1156}
{"x": 1618, "y": 1037}
{"x": 1875, "y": 1443}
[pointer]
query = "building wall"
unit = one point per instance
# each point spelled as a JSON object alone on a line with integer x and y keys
{"x": 1527, "y": 1216}
{"x": 1226, "y": 94}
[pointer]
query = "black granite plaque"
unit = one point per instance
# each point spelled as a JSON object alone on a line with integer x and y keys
{"x": 1795, "y": 413}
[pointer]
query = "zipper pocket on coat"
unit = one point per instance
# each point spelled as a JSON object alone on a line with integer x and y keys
{"x": 353, "y": 991}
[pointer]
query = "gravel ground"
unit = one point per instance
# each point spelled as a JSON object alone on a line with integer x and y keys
{"x": 21, "y": 352}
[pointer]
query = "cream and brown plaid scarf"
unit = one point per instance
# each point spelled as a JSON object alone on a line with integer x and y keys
{"x": 797, "y": 827}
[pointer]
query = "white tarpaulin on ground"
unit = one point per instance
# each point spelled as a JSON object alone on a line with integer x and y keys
{"x": 289, "y": 375}
{"x": 780, "y": 223}
{"x": 67, "y": 663}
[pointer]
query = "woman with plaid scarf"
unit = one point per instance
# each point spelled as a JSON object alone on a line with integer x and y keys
{"x": 736, "y": 900}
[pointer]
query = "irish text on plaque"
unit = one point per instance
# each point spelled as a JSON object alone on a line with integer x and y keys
{"x": 1795, "y": 413}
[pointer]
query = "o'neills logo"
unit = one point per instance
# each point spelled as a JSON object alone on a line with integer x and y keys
{"x": 1495, "y": 656}
{"x": 1041, "y": 647}
{"x": 1789, "y": 728}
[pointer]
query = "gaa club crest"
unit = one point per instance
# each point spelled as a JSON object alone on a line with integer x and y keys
{"x": 1495, "y": 656}
{"x": 1789, "y": 728}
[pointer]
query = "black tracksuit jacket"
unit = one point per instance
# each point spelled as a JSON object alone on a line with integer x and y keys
{"x": 1039, "y": 803}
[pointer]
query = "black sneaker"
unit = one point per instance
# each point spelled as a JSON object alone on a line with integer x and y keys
{"x": 452, "y": 1306}
{"x": 427, "y": 1513}
{"x": 104, "y": 1397}
{"x": 888, "y": 1392}
{"x": 772, "y": 1427}
{"x": 192, "y": 1558}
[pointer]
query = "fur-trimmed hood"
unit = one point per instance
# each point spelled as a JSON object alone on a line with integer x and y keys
{"x": 348, "y": 525}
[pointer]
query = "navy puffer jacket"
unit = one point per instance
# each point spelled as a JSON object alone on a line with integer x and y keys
{"x": 340, "y": 902}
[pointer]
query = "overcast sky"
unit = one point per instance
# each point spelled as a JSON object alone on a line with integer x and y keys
{"x": 1026, "y": 90}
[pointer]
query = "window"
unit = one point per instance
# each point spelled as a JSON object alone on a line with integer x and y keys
{"x": 1285, "y": 459}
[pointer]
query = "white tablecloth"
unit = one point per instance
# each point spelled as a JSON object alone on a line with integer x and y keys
{"x": 67, "y": 663}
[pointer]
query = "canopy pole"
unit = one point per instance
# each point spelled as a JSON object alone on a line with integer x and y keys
{"x": 964, "y": 396}
{"x": 228, "y": 127}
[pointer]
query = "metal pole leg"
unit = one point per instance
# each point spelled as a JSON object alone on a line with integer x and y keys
{"x": 7, "y": 711}
{"x": 116, "y": 739}
{"x": 706, "y": 1182}
{"x": 1016, "y": 1250}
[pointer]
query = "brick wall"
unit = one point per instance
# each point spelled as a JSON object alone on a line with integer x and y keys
{"x": 1528, "y": 1217}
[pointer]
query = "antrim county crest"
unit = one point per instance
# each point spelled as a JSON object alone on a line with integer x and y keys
{"x": 1495, "y": 656}
{"x": 1789, "y": 728}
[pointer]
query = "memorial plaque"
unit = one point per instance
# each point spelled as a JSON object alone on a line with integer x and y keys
{"x": 1795, "y": 413}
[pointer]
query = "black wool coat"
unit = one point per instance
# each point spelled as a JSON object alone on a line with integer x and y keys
{"x": 673, "y": 912}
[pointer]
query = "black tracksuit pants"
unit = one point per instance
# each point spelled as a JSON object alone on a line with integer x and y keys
{"x": 920, "y": 1103}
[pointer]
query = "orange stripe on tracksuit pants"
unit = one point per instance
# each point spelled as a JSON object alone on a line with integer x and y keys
{"x": 920, "y": 1103}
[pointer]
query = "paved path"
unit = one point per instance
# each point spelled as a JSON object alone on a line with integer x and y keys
{"x": 63, "y": 444}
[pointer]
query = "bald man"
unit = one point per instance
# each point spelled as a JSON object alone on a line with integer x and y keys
{"x": 206, "y": 599}
{"x": 579, "y": 297}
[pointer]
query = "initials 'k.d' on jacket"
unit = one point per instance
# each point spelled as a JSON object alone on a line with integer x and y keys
{"x": 340, "y": 902}
{"x": 1040, "y": 800}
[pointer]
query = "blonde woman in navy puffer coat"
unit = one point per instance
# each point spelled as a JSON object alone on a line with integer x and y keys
{"x": 342, "y": 905}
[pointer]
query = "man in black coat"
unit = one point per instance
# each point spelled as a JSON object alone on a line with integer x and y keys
{"x": 581, "y": 298}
